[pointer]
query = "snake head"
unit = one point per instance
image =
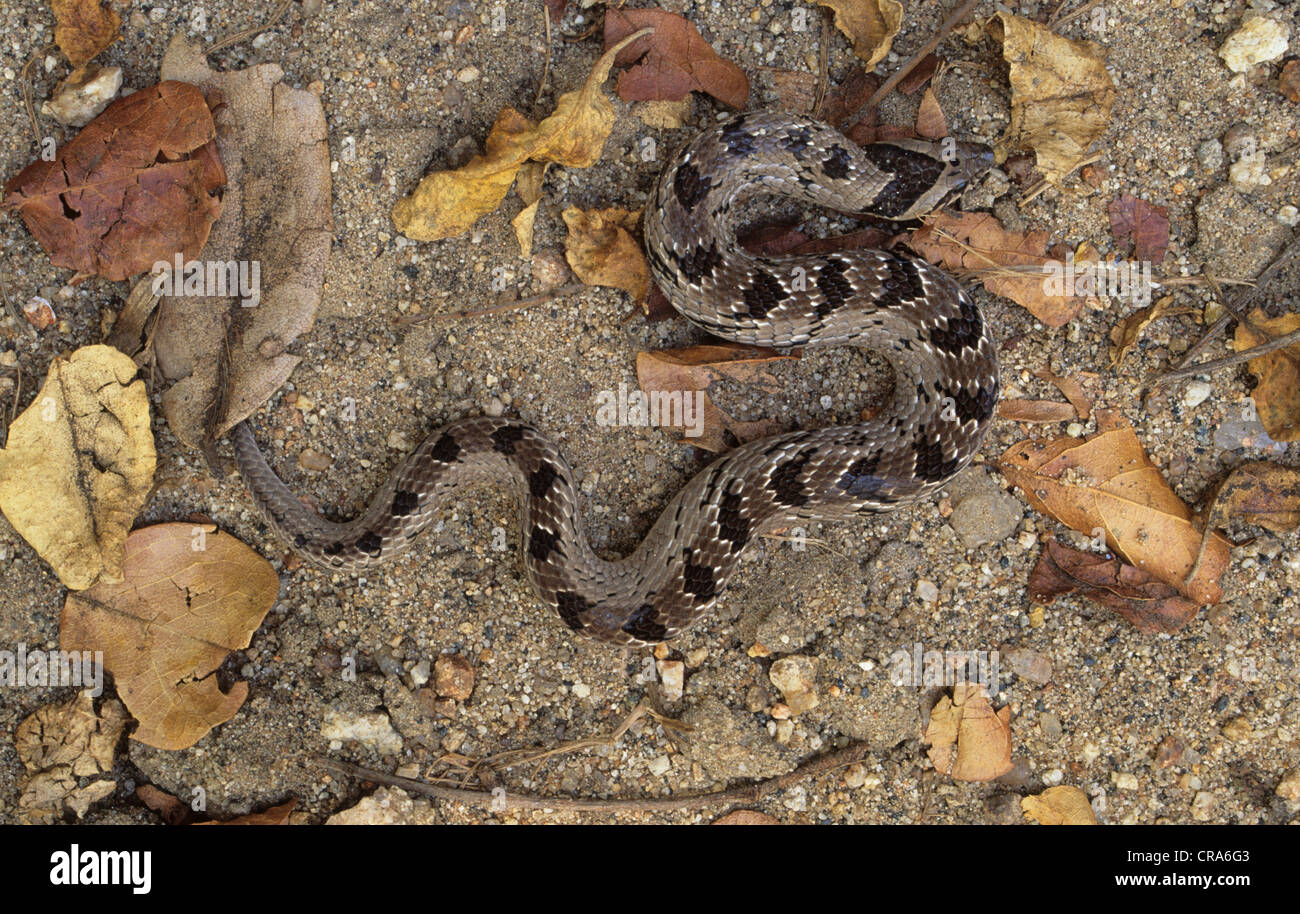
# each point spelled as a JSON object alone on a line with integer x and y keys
{"x": 926, "y": 173}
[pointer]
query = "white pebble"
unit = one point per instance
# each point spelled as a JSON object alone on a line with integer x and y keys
{"x": 1197, "y": 392}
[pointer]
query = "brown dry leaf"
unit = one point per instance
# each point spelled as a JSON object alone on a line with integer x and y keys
{"x": 448, "y": 203}
{"x": 1072, "y": 389}
{"x": 78, "y": 465}
{"x": 747, "y": 817}
{"x": 1277, "y": 396}
{"x": 1107, "y": 485}
{"x": 977, "y": 241}
{"x": 1288, "y": 81}
{"x": 930, "y": 122}
{"x": 190, "y": 596}
{"x": 60, "y": 746}
{"x": 1259, "y": 492}
{"x": 137, "y": 184}
{"x": 223, "y": 357}
{"x": 1150, "y": 605}
{"x": 672, "y": 62}
{"x": 83, "y": 28}
{"x": 1059, "y": 806}
{"x": 169, "y": 809}
{"x": 682, "y": 371}
{"x": 1035, "y": 411}
{"x": 969, "y": 741}
{"x": 276, "y": 815}
{"x": 529, "y": 187}
{"x": 869, "y": 24}
{"x": 602, "y": 251}
{"x": 1061, "y": 95}
{"x": 1144, "y": 224}
{"x": 1126, "y": 334}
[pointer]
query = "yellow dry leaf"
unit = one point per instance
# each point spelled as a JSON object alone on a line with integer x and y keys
{"x": 79, "y": 464}
{"x": 1059, "y": 806}
{"x": 664, "y": 115}
{"x": 602, "y": 252}
{"x": 190, "y": 596}
{"x": 1277, "y": 397}
{"x": 869, "y": 24}
{"x": 67, "y": 750}
{"x": 969, "y": 741}
{"x": 529, "y": 187}
{"x": 1125, "y": 335}
{"x": 1061, "y": 95}
{"x": 448, "y": 203}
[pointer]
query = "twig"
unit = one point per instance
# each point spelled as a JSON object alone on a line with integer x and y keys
{"x": 947, "y": 26}
{"x": 546, "y": 70}
{"x": 27, "y": 90}
{"x": 1075, "y": 14}
{"x": 823, "y": 61}
{"x": 1228, "y": 361}
{"x": 249, "y": 33}
{"x": 14, "y": 312}
{"x": 1042, "y": 183}
{"x": 544, "y": 297}
{"x": 504, "y": 799}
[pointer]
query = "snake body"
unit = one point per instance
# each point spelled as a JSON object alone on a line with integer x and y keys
{"x": 934, "y": 335}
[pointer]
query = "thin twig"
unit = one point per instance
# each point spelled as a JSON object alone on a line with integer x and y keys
{"x": 947, "y": 26}
{"x": 823, "y": 61}
{"x": 249, "y": 33}
{"x": 544, "y": 297}
{"x": 14, "y": 312}
{"x": 1075, "y": 14}
{"x": 25, "y": 77}
{"x": 1228, "y": 361}
{"x": 546, "y": 70}
{"x": 504, "y": 799}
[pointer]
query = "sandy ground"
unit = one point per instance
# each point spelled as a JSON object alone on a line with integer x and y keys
{"x": 395, "y": 83}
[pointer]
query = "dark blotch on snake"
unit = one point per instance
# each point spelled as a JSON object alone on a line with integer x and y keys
{"x": 641, "y": 624}
{"x": 689, "y": 186}
{"x": 542, "y": 542}
{"x": 333, "y": 549}
{"x": 371, "y": 543}
{"x": 903, "y": 279}
{"x": 738, "y": 140}
{"x": 785, "y": 483}
{"x": 960, "y": 333}
{"x": 914, "y": 173}
{"x": 732, "y": 525}
{"x": 505, "y": 438}
{"x": 570, "y": 606}
{"x": 699, "y": 262}
{"x": 860, "y": 479}
{"x": 764, "y": 294}
{"x": 445, "y": 449}
{"x": 404, "y": 503}
{"x": 697, "y": 580}
{"x": 540, "y": 480}
{"x": 835, "y": 289}
{"x": 836, "y": 165}
{"x": 930, "y": 463}
{"x": 798, "y": 140}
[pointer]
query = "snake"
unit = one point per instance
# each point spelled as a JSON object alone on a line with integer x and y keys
{"x": 941, "y": 348}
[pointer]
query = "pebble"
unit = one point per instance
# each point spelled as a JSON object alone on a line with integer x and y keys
{"x": 1238, "y": 730}
{"x": 1197, "y": 392}
{"x": 1125, "y": 781}
{"x": 659, "y": 765}
{"x": 373, "y": 729}
{"x": 1289, "y": 787}
{"x": 1259, "y": 40}
{"x": 927, "y": 592}
{"x": 672, "y": 673}
{"x": 1204, "y": 806}
{"x": 467, "y": 74}
{"x": 453, "y": 677}
{"x": 78, "y": 103}
{"x": 796, "y": 677}
{"x": 855, "y": 775}
{"x": 989, "y": 515}
{"x": 1210, "y": 155}
{"x": 581, "y": 690}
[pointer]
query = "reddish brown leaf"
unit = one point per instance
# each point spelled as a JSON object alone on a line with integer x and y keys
{"x": 1142, "y": 223}
{"x": 1288, "y": 82}
{"x": 83, "y": 28}
{"x": 930, "y": 122}
{"x": 843, "y": 100}
{"x": 672, "y": 62}
{"x": 276, "y": 815}
{"x": 1035, "y": 411}
{"x": 170, "y": 810}
{"x": 920, "y": 74}
{"x": 1149, "y": 604}
{"x": 137, "y": 185}
{"x": 556, "y": 9}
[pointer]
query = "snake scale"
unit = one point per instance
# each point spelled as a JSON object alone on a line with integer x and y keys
{"x": 939, "y": 344}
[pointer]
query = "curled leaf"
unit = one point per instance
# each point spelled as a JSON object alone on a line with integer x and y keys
{"x": 672, "y": 62}
{"x": 1064, "y": 805}
{"x": 1277, "y": 396}
{"x": 969, "y": 741}
{"x": 1259, "y": 492}
{"x": 79, "y": 464}
{"x": 68, "y": 750}
{"x": 869, "y": 24}
{"x": 602, "y": 252}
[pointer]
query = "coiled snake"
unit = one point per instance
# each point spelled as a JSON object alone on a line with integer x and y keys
{"x": 938, "y": 342}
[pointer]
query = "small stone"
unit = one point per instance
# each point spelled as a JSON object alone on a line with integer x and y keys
{"x": 927, "y": 592}
{"x": 420, "y": 673}
{"x": 1050, "y": 724}
{"x": 1288, "y": 215}
{"x": 1053, "y": 776}
{"x": 453, "y": 677}
{"x": 780, "y": 711}
{"x": 1169, "y": 752}
{"x": 796, "y": 677}
{"x": 39, "y": 312}
{"x": 581, "y": 690}
{"x": 659, "y": 765}
{"x": 855, "y": 775}
{"x": 1238, "y": 730}
{"x": 1028, "y": 664}
{"x": 1204, "y": 806}
{"x": 1210, "y": 155}
{"x": 1259, "y": 40}
{"x": 1249, "y": 173}
{"x": 1075, "y": 429}
{"x": 672, "y": 673}
{"x": 78, "y": 102}
{"x": 467, "y": 74}
{"x": 1197, "y": 392}
{"x": 373, "y": 729}
{"x": 314, "y": 460}
{"x": 1125, "y": 781}
{"x": 1289, "y": 787}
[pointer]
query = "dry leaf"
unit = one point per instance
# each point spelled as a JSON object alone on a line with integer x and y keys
{"x": 1035, "y": 411}
{"x": 225, "y": 359}
{"x": 79, "y": 464}
{"x": 83, "y": 28}
{"x": 276, "y": 815}
{"x": 663, "y": 115}
{"x": 1059, "y": 806}
{"x": 747, "y": 817}
{"x": 137, "y": 184}
{"x": 448, "y": 203}
{"x": 869, "y": 24}
{"x": 1144, "y": 224}
{"x": 1288, "y": 81}
{"x": 672, "y": 62}
{"x": 63, "y": 745}
{"x": 528, "y": 185}
{"x": 1150, "y": 605}
{"x": 602, "y": 252}
{"x": 1072, "y": 389}
{"x": 670, "y": 373}
{"x": 1061, "y": 96}
{"x": 190, "y": 596}
{"x": 969, "y": 741}
{"x": 977, "y": 241}
{"x": 930, "y": 122}
{"x": 1277, "y": 396}
{"x": 1106, "y": 485}
{"x": 1126, "y": 334}
{"x": 1259, "y": 492}
{"x": 169, "y": 809}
